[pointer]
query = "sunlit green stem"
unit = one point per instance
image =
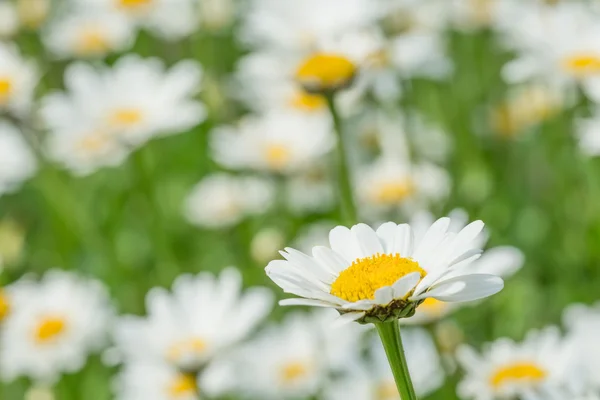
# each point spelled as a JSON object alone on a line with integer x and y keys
{"x": 389, "y": 332}
{"x": 346, "y": 194}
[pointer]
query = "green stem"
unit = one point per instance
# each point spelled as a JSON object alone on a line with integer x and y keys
{"x": 389, "y": 332}
{"x": 348, "y": 207}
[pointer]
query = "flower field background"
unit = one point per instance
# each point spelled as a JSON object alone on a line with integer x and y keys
{"x": 137, "y": 146}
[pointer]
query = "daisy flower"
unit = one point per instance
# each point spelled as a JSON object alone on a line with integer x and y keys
{"x": 376, "y": 276}
{"x": 277, "y": 142}
{"x": 135, "y": 100}
{"x": 18, "y": 78}
{"x": 203, "y": 316}
{"x": 505, "y": 369}
{"x": 53, "y": 325}
{"x": 221, "y": 200}
{"x": 87, "y": 33}
{"x": 17, "y": 163}
{"x": 374, "y": 380}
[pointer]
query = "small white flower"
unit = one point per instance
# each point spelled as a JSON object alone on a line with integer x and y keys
{"x": 88, "y": 33}
{"x": 266, "y": 243}
{"x": 378, "y": 275}
{"x": 202, "y": 317}
{"x": 528, "y": 370}
{"x": 222, "y": 200}
{"x": 278, "y": 142}
{"x": 373, "y": 380}
{"x": 18, "y": 78}
{"x": 155, "y": 381}
{"x": 53, "y": 325}
{"x": 17, "y": 163}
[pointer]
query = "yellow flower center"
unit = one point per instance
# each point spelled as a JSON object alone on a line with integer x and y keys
{"x": 92, "y": 143}
{"x": 433, "y": 307}
{"x": 387, "y": 391}
{"x": 126, "y": 117}
{"x": 582, "y": 64}
{"x": 325, "y": 71}
{"x": 379, "y": 59}
{"x": 277, "y": 155}
{"x": 133, "y": 5}
{"x": 307, "y": 102}
{"x": 518, "y": 372}
{"x": 394, "y": 192}
{"x": 183, "y": 385}
{"x": 366, "y": 275}
{"x": 5, "y": 89}
{"x": 4, "y": 305}
{"x": 293, "y": 371}
{"x": 92, "y": 41}
{"x": 194, "y": 346}
{"x": 49, "y": 328}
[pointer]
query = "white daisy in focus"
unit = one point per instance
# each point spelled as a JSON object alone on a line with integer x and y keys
{"x": 374, "y": 380}
{"x": 375, "y": 276}
{"x": 17, "y": 163}
{"x": 222, "y": 200}
{"x": 277, "y": 142}
{"x": 9, "y": 20}
{"x": 169, "y": 19}
{"x": 532, "y": 369}
{"x": 203, "y": 316}
{"x": 391, "y": 183}
{"x": 18, "y": 78}
{"x": 88, "y": 33}
{"x": 53, "y": 325}
{"x": 135, "y": 100}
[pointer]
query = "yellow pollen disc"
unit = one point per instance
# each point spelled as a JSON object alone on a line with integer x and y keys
{"x": 277, "y": 155}
{"x": 293, "y": 371}
{"x": 92, "y": 41}
{"x": 365, "y": 276}
{"x": 387, "y": 391}
{"x": 394, "y": 192}
{"x": 307, "y": 102}
{"x": 133, "y": 4}
{"x": 325, "y": 71}
{"x": 582, "y": 64}
{"x": 194, "y": 346}
{"x": 49, "y": 328}
{"x": 126, "y": 117}
{"x": 5, "y": 89}
{"x": 4, "y": 305}
{"x": 183, "y": 385}
{"x": 518, "y": 372}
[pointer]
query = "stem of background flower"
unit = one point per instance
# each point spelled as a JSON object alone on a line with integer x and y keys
{"x": 349, "y": 215}
{"x": 389, "y": 332}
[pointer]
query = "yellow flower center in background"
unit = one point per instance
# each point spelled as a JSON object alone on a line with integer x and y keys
{"x": 133, "y": 5}
{"x": 379, "y": 58}
{"x": 126, "y": 117}
{"x": 277, "y": 155}
{"x": 92, "y": 143}
{"x": 49, "y": 328}
{"x": 325, "y": 72}
{"x": 5, "y": 89}
{"x": 293, "y": 371}
{"x": 4, "y": 305}
{"x": 183, "y": 385}
{"x": 518, "y": 372}
{"x": 582, "y": 64}
{"x": 366, "y": 275}
{"x": 307, "y": 102}
{"x": 194, "y": 346}
{"x": 433, "y": 307}
{"x": 387, "y": 391}
{"x": 92, "y": 41}
{"x": 394, "y": 192}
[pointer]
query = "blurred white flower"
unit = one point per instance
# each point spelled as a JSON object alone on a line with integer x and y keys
{"x": 277, "y": 142}
{"x": 382, "y": 275}
{"x": 33, "y": 13}
{"x": 266, "y": 243}
{"x": 217, "y": 14}
{"x": 89, "y": 33}
{"x": 203, "y": 316}
{"x": 53, "y": 325}
{"x": 310, "y": 192}
{"x": 311, "y": 235}
{"x": 17, "y": 162}
{"x": 529, "y": 370}
{"x": 18, "y": 78}
{"x": 135, "y": 100}
{"x": 155, "y": 381}
{"x": 373, "y": 380}
{"x": 222, "y": 200}
{"x": 9, "y": 19}
{"x": 588, "y": 133}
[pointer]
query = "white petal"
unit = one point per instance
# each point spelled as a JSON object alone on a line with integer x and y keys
{"x": 465, "y": 239}
{"x": 329, "y": 258}
{"x": 502, "y": 261}
{"x": 404, "y": 240}
{"x": 465, "y": 288}
{"x": 434, "y": 235}
{"x": 404, "y": 285}
{"x": 305, "y": 302}
{"x": 367, "y": 240}
{"x": 384, "y": 295}
{"x": 387, "y": 233}
{"x": 303, "y": 261}
{"x": 343, "y": 242}
{"x": 347, "y": 318}
{"x": 361, "y": 305}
